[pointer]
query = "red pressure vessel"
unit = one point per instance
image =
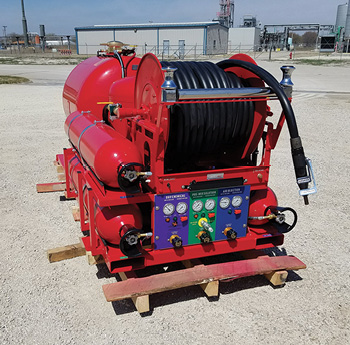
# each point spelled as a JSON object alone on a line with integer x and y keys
{"x": 259, "y": 202}
{"x": 89, "y": 82}
{"x": 112, "y": 221}
{"x": 103, "y": 149}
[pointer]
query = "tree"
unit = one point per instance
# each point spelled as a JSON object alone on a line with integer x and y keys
{"x": 296, "y": 38}
{"x": 309, "y": 38}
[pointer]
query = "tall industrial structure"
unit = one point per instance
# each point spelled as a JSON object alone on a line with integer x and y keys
{"x": 25, "y": 28}
{"x": 225, "y": 16}
{"x": 342, "y": 28}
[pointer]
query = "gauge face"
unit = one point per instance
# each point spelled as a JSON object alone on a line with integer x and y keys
{"x": 168, "y": 209}
{"x": 209, "y": 204}
{"x": 224, "y": 202}
{"x": 197, "y": 206}
{"x": 236, "y": 201}
{"x": 181, "y": 207}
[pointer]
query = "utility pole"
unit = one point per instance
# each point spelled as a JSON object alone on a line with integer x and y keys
{"x": 4, "y": 34}
{"x": 25, "y": 28}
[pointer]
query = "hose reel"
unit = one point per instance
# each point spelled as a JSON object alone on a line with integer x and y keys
{"x": 207, "y": 128}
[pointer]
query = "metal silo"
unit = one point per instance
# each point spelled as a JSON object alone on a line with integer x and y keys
{"x": 347, "y": 25}
{"x": 341, "y": 16}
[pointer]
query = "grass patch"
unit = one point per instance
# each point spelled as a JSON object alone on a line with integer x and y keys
{"x": 9, "y": 79}
{"x": 322, "y": 62}
{"x": 41, "y": 60}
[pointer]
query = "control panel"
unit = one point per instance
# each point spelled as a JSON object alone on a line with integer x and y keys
{"x": 200, "y": 216}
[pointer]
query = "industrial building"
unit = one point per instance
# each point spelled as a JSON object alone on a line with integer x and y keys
{"x": 244, "y": 38}
{"x": 174, "y": 39}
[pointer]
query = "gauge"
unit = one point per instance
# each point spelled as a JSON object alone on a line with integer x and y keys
{"x": 236, "y": 201}
{"x": 210, "y": 204}
{"x": 197, "y": 206}
{"x": 224, "y": 202}
{"x": 181, "y": 207}
{"x": 168, "y": 209}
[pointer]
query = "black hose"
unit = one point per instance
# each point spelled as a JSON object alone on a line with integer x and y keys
{"x": 117, "y": 55}
{"x": 202, "y": 128}
{"x": 298, "y": 155}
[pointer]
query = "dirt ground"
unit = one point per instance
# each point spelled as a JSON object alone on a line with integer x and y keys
{"x": 63, "y": 303}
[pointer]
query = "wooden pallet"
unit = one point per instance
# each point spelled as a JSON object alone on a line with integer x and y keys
{"x": 59, "y": 186}
{"x": 275, "y": 269}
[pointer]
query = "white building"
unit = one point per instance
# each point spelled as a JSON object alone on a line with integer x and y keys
{"x": 244, "y": 39}
{"x": 176, "y": 39}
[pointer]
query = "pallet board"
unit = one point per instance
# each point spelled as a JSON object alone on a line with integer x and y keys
{"x": 275, "y": 269}
{"x": 66, "y": 252}
{"x": 197, "y": 275}
{"x": 51, "y": 187}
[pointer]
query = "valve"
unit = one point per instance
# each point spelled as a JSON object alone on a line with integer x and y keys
{"x": 230, "y": 233}
{"x": 176, "y": 241}
{"x": 203, "y": 223}
{"x": 203, "y": 236}
{"x": 129, "y": 177}
{"x": 131, "y": 241}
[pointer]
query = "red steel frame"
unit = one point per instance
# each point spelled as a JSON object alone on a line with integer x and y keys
{"x": 152, "y": 127}
{"x": 257, "y": 237}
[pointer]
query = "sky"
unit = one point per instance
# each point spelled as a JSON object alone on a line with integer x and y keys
{"x": 62, "y": 16}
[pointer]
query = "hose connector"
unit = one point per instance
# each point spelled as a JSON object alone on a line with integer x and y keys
{"x": 169, "y": 88}
{"x": 286, "y": 81}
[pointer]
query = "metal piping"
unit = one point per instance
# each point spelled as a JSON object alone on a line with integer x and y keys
{"x": 222, "y": 93}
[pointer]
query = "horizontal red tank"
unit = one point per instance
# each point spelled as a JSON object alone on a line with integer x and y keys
{"x": 260, "y": 200}
{"x": 112, "y": 222}
{"x": 103, "y": 149}
{"x": 89, "y": 82}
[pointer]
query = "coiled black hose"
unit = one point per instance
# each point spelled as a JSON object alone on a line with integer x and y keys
{"x": 298, "y": 155}
{"x": 204, "y": 128}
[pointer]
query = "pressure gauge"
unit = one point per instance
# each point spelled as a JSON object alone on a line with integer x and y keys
{"x": 209, "y": 204}
{"x": 181, "y": 207}
{"x": 197, "y": 206}
{"x": 168, "y": 209}
{"x": 236, "y": 201}
{"x": 224, "y": 202}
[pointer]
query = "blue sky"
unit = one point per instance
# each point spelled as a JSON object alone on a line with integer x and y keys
{"x": 61, "y": 16}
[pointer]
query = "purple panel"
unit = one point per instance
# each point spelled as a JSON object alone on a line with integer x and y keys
{"x": 170, "y": 218}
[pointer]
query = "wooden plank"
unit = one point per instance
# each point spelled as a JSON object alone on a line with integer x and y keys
{"x": 211, "y": 289}
{"x": 59, "y": 167}
{"x": 71, "y": 198}
{"x": 277, "y": 278}
{"x": 141, "y": 302}
{"x": 94, "y": 259}
{"x": 50, "y": 187}
{"x": 66, "y": 252}
{"x": 76, "y": 213}
{"x": 199, "y": 275}
{"x": 61, "y": 177}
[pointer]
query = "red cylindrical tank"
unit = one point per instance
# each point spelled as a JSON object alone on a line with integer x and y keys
{"x": 111, "y": 220}
{"x": 89, "y": 83}
{"x": 103, "y": 149}
{"x": 260, "y": 200}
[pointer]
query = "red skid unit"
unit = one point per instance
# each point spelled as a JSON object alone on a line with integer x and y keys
{"x": 164, "y": 158}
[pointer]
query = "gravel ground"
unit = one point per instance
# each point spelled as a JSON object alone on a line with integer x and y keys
{"x": 63, "y": 303}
